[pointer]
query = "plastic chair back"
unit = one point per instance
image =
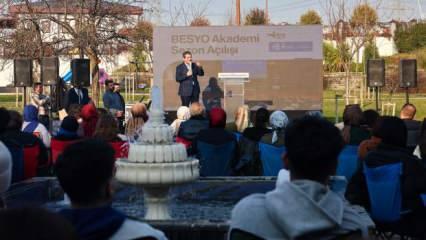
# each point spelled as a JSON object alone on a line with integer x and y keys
{"x": 384, "y": 190}
{"x": 121, "y": 149}
{"x": 31, "y": 155}
{"x": 348, "y": 162}
{"x": 214, "y": 159}
{"x": 237, "y": 135}
{"x": 271, "y": 157}
{"x": 17, "y": 153}
{"x": 57, "y": 147}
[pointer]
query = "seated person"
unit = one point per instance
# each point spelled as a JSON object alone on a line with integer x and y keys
{"x": 260, "y": 126}
{"x": 370, "y": 118}
{"x": 182, "y": 115}
{"x": 303, "y": 207}
{"x": 393, "y": 135}
{"x": 248, "y": 162}
{"x": 13, "y": 132}
{"x": 33, "y": 126}
{"x": 353, "y": 133}
{"x": 68, "y": 130}
{"x": 408, "y": 112}
{"x": 241, "y": 120}
{"x": 35, "y": 224}
{"x": 278, "y": 122}
{"x": 5, "y": 169}
{"x": 85, "y": 171}
{"x": 216, "y": 134}
{"x": 107, "y": 129}
{"x": 89, "y": 117}
{"x": 136, "y": 121}
{"x": 189, "y": 129}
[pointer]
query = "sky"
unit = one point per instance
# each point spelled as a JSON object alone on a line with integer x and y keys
{"x": 219, "y": 11}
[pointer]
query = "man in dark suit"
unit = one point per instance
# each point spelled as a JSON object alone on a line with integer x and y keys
{"x": 186, "y": 76}
{"x": 77, "y": 95}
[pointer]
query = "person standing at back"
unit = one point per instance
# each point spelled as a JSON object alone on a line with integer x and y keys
{"x": 120, "y": 119}
{"x": 112, "y": 101}
{"x": 77, "y": 95}
{"x": 407, "y": 114}
{"x": 41, "y": 102}
{"x": 187, "y": 76}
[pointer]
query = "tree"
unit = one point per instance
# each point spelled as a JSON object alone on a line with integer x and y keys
{"x": 256, "y": 16}
{"x": 95, "y": 28}
{"x": 354, "y": 30}
{"x": 142, "y": 36}
{"x": 310, "y": 17}
{"x": 200, "y": 22}
{"x": 363, "y": 18}
{"x": 335, "y": 58}
{"x": 370, "y": 52}
{"x": 184, "y": 12}
{"x": 410, "y": 38}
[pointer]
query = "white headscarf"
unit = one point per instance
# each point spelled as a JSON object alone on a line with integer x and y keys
{"x": 183, "y": 113}
{"x": 278, "y": 120}
{"x": 5, "y": 168}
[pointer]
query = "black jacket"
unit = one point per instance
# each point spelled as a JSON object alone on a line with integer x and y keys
{"x": 188, "y": 86}
{"x": 25, "y": 139}
{"x": 413, "y": 133}
{"x": 214, "y": 136}
{"x": 190, "y": 128}
{"x": 413, "y": 180}
{"x": 72, "y": 97}
{"x": 255, "y": 133}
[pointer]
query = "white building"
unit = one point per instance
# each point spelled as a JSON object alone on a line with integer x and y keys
{"x": 19, "y": 16}
{"x": 384, "y": 34}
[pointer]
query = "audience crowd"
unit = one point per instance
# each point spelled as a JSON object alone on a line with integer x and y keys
{"x": 304, "y": 205}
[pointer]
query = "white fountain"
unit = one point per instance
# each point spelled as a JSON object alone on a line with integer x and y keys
{"x": 156, "y": 163}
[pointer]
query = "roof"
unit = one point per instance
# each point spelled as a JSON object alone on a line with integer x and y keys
{"x": 72, "y": 7}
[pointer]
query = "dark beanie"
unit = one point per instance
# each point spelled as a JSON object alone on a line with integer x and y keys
{"x": 69, "y": 124}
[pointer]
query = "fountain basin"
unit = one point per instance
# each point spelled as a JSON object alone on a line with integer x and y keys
{"x": 199, "y": 210}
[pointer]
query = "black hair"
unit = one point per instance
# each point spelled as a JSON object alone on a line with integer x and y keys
{"x": 313, "y": 146}
{"x": 15, "y": 121}
{"x": 34, "y": 223}
{"x": 261, "y": 117}
{"x": 108, "y": 81}
{"x": 370, "y": 117}
{"x": 84, "y": 170}
{"x": 37, "y": 84}
{"x": 392, "y": 131}
{"x": 4, "y": 119}
{"x": 186, "y": 53}
{"x": 116, "y": 84}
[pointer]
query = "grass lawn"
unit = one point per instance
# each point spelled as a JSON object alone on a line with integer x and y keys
{"x": 329, "y": 104}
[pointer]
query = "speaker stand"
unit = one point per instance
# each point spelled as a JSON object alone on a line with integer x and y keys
{"x": 376, "y": 93}
{"x": 407, "y": 96}
{"x": 25, "y": 96}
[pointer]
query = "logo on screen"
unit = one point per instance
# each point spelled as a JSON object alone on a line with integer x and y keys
{"x": 277, "y": 35}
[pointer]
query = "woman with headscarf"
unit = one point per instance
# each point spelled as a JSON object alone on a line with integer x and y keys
{"x": 137, "y": 120}
{"x": 183, "y": 114}
{"x": 89, "y": 115}
{"x": 33, "y": 126}
{"x": 278, "y": 121}
{"x": 216, "y": 133}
